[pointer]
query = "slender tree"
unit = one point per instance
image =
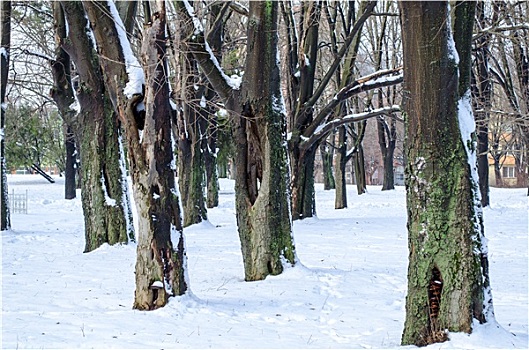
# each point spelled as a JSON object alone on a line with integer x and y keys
{"x": 448, "y": 284}
{"x": 5, "y": 46}
{"x": 63, "y": 95}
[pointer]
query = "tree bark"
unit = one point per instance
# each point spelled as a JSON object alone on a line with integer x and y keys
{"x": 160, "y": 267}
{"x": 482, "y": 98}
{"x": 340, "y": 200}
{"x": 63, "y": 95}
{"x": 261, "y": 171}
{"x": 448, "y": 271}
{"x": 327, "y": 155}
{"x": 106, "y": 210}
{"x": 5, "y": 47}
{"x": 190, "y": 149}
{"x": 261, "y": 182}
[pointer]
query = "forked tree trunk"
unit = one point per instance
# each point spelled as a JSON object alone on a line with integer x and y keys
{"x": 448, "y": 269}
{"x": 303, "y": 199}
{"x": 106, "y": 208}
{"x": 261, "y": 171}
{"x": 160, "y": 267}
{"x": 5, "y": 46}
{"x": 261, "y": 188}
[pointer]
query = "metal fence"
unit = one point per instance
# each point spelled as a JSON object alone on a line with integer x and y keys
{"x": 18, "y": 203}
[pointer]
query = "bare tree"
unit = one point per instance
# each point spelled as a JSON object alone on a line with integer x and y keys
{"x": 5, "y": 45}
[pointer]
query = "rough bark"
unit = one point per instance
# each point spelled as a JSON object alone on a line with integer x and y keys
{"x": 261, "y": 180}
{"x": 447, "y": 273}
{"x": 261, "y": 172}
{"x": 5, "y": 45}
{"x": 105, "y": 202}
{"x": 482, "y": 99}
{"x": 387, "y": 138}
{"x": 160, "y": 267}
{"x": 191, "y": 135}
{"x": 70, "y": 166}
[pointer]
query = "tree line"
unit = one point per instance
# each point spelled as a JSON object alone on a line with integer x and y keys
{"x": 157, "y": 89}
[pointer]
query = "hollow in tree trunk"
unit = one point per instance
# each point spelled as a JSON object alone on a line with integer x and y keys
{"x": 448, "y": 282}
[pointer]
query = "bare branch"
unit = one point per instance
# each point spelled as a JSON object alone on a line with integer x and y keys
{"x": 324, "y": 129}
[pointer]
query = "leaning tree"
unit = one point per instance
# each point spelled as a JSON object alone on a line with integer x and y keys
{"x": 448, "y": 283}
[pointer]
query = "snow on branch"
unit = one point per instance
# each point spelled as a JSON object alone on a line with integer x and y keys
{"x": 133, "y": 67}
{"x": 202, "y": 52}
{"x": 376, "y": 80}
{"x": 325, "y": 128}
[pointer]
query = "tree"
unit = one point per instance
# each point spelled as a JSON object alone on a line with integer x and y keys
{"x": 106, "y": 206}
{"x": 258, "y": 120}
{"x": 310, "y": 105}
{"x": 160, "y": 266}
{"x": 5, "y": 45}
{"x": 63, "y": 95}
{"x": 448, "y": 283}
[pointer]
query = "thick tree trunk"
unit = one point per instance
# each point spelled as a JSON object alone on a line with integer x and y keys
{"x": 261, "y": 161}
{"x": 340, "y": 200}
{"x": 103, "y": 190}
{"x": 482, "y": 98}
{"x": 5, "y": 46}
{"x": 159, "y": 267}
{"x": 447, "y": 273}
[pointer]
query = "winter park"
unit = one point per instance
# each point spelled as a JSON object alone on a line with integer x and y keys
{"x": 264, "y": 174}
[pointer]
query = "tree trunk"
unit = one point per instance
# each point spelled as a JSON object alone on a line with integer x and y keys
{"x": 71, "y": 161}
{"x": 106, "y": 209}
{"x": 155, "y": 186}
{"x": 387, "y": 138}
{"x": 303, "y": 200}
{"x": 190, "y": 150}
{"x": 358, "y": 159}
{"x": 448, "y": 269}
{"x": 482, "y": 98}
{"x": 5, "y": 47}
{"x": 340, "y": 200}
{"x": 327, "y": 155}
{"x": 261, "y": 182}
{"x": 63, "y": 95}
{"x": 215, "y": 36}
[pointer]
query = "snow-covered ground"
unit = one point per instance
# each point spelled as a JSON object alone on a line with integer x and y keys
{"x": 348, "y": 291}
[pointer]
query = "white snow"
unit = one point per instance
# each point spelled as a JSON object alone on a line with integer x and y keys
{"x": 108, "y": 200}
{"x": 3, "y": 52}
{"x": 348, "y": 291}
{"x": 134, "y": 70}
